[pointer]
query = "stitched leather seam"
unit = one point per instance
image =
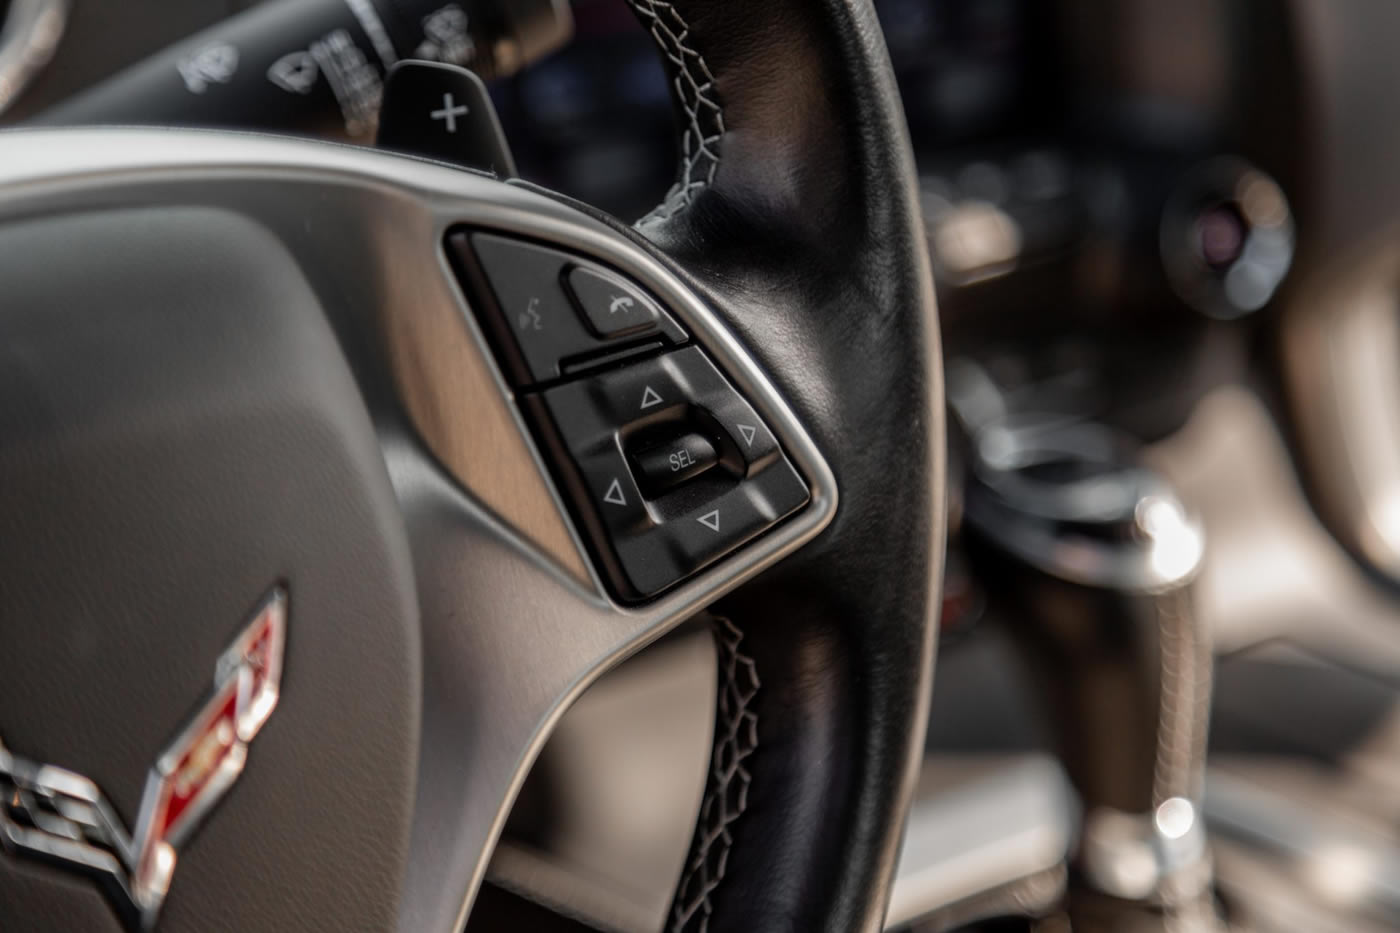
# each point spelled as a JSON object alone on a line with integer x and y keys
{"x": 726, "y": 787}
{"x": 694, "y": 87}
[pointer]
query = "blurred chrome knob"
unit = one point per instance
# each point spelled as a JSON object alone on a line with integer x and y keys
{"x": 1227, "y": 238}
{"x": 1091, "y": 555}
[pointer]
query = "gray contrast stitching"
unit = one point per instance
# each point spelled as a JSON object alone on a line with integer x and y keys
{"x": 694, "y": 87}
{"x": 726, "y": 788}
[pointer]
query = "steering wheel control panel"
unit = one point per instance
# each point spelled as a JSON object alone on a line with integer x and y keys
{"x": 665, "y": 465}
{"x": 557, "y": 314}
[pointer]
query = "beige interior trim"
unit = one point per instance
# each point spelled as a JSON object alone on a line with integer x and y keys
{"x": 450, "y": 392}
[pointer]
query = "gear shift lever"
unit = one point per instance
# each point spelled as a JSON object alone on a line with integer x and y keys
{"x": 1094, "y": 554}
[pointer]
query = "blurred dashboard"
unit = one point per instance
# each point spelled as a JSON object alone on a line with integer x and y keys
{"x": 1081, "y": 165}
{"x": 594, "y": 120}
{"x": 980, "y": 81}
{"x": 1053, "y": 138}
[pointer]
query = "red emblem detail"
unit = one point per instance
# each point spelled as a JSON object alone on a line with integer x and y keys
{"x": 188, "y": 778}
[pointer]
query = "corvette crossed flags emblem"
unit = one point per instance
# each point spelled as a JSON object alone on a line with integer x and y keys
{"x": 61, "y": 817}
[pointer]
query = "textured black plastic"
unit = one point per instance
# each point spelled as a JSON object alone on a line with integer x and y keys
{"x": 178, "y": 432}
{"x": 588, "y": 424}
{"x": 442, "y": 112}
{"x": 537, "y": 329}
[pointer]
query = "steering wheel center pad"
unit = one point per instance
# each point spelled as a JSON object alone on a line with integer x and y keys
{"x": 181, "y": 435}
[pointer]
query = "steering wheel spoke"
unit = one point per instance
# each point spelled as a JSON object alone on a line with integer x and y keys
{"x": 276, "y": 363}
{"x": 514, "y": 616}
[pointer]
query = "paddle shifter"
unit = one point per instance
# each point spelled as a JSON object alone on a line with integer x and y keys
{"x": 1092, "y": 556}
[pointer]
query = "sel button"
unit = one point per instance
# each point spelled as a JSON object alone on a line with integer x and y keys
{"x": 663, "y": 466}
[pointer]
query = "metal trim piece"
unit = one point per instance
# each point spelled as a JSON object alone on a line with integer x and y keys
{"x": 512, "y": 634}
{"x": 1016, "y": 823}
{"x": 1158, "y": 545}
{"x": 28, "y": 38}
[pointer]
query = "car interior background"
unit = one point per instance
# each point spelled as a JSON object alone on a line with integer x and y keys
{"x": 1164, "y": 243}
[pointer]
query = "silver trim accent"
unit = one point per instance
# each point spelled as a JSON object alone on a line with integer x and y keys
{"x": 1159, "y": 856}
{"x": 28, "y": 38}
{"x": 368, "y": 18}
{"x": 513, "y": 637}
{"x": 982, "y": 837}
{"x": 1070, "y": 497}
{"x": 1121, "y": 527}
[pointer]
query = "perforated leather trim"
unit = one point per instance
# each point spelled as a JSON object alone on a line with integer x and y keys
{"x": 726, "y": 788}
{"x": 695, "y": 92}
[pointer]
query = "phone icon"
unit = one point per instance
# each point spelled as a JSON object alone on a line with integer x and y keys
{"x": 620, "y": 303}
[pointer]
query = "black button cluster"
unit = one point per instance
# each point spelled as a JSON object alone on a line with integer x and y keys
{"x": 550, "y": 313}
{"x": 667, "y": 467}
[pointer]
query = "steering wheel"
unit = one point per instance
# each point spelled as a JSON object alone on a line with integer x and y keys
{"x": 299, "y": 576}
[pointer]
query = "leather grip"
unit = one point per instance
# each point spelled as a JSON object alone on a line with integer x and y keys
{"x": 795, "y": 214}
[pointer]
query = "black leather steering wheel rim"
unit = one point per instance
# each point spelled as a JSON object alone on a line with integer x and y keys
{"x": 795, "y": 211}
{"x": 169, "y": 455}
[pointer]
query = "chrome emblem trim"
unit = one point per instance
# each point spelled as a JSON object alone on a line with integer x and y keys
{"x": 61, "y": 817}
